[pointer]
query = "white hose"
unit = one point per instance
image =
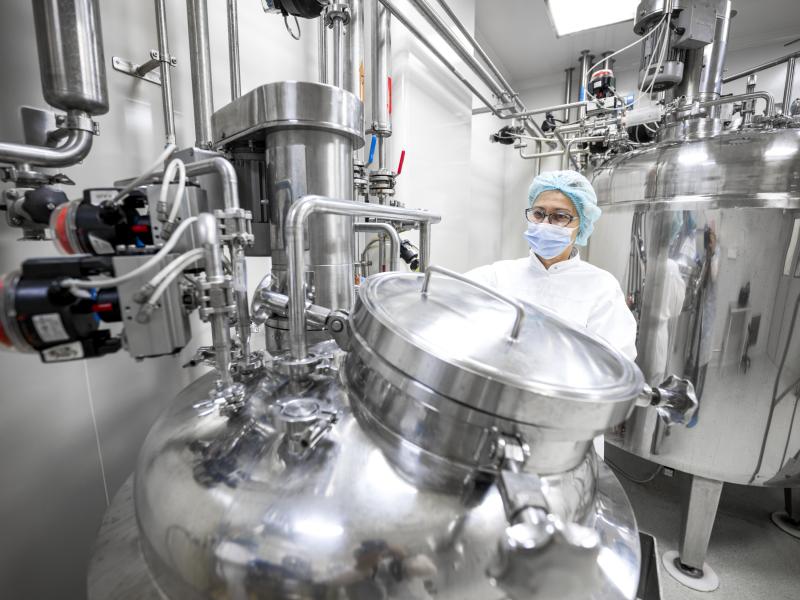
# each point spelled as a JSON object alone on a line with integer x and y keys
{"x": 178, "y": 264}
{"x": 661, "y": 56}
{"x": 168, "y": 150}
{"x": 173, "y": 274}
{"x": 155, "y": 259}
{"x": 175, "y": 165}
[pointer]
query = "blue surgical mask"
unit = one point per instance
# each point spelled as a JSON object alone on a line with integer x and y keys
{"x": 546, "y": 240}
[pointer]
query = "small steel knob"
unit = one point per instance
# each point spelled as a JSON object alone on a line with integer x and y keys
{"x": 675, "y": 400}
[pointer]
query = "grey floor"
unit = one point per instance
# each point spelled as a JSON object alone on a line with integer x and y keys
{"x": 753, "y": 558}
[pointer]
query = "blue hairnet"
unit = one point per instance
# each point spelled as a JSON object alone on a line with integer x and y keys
{"x": 575, "y": 187}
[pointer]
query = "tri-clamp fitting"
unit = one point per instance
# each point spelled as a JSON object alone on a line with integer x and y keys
{"x": 235, "y": 226}
{"x": 337, "y": 12}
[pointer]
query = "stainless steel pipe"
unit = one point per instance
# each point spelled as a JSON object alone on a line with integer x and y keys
{"x": 166, "y": 77}
{"x": 567, "y": 156}
{"x": 220, "y": 327}
{"x": 233, "y": 49}
{"x": 200, "y": 59}
{"x": 584, "y": 62}
{"x": 567, "y": 92}
{"x": 387, "y": 230}
{"x": 76, "y": 147}
{"x": 338, "y": 52}
{"x": 322, "y": 51}
{"x": 788, "y": 85}
{"x": 355, "y": 74}
{"x": 763, "y": 66}
{"x": 381, "y": 74}
{"x": 295, "y": 224}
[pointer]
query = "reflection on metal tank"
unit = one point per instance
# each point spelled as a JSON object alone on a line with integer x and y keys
{"x": 307, "y": 133}
{"x": 71, "y": 62}
{"x": 394, "y": 471}
{"x": 712, "y": 272}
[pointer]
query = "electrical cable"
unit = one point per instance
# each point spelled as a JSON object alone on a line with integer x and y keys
{"x": 185, "y": 259}
{"x": 661, "y": 56}
{"x": 115, "y": 281}
{"x": 169, "y": 149}
{"x": 629, "y": 477}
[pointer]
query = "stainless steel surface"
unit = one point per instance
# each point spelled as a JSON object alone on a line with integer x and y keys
{"x": 142, "y": 71}
{"x": 714, "y": 224}
{"x": 200, "y": 59}
{"x": 71, "y": 62}
{"x": 167, "y": 330}
{"x": 341, "y": 521}
{"x": 387, "y": 230}
{"x": 294, "y": 228}
{"x": 166, "y": 77}
{"x": 339, "y": 54}
{"x": 788, "y": 85}
{"x": 322, "y": 51}
{"x": 699, "y": 520}
{"x": 767, "y": 65}
{"x": 75, "y": 147}
{"x": 309, "y": 132}
{"x": 381, "y": 60}
{"x": 456, "y": 338}
{"x": 233, "y": 49}
{"x": 356, "y": 71}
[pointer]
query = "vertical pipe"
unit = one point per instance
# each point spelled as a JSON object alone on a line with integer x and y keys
{"x": 584, "y": 62}
{"x": 424, "y": 246}
{"x": 787, "y": 88}
{"x": 338, "y": 52}
{"x": 750, "y": 88}
{"x": 568, "y": 91}
{"x": 200, "y": 58}
{"x": 381, "y": 79}
{"x": 233, "y": 49}
{"x": 714, "y": 58}
{"x": 166, "y": 80}
{"x": 355, "y": 63}
{"x": 322, "y": 51}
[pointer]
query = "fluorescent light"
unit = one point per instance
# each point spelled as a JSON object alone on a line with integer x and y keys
{"x": 571, "y": 16}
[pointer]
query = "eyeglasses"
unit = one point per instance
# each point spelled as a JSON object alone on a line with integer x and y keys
{"x": 561, "y": 218}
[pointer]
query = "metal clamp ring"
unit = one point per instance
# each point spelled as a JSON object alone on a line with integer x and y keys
{"x": 518, "y": 307}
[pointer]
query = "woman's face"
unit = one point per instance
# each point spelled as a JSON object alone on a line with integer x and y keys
{"x": 552, "y": 201}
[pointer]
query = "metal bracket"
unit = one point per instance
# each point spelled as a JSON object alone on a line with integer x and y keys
{"x": 146, "y": 71}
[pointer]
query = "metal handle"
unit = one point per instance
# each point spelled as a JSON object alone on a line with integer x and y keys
{"x": 514, "y": 303}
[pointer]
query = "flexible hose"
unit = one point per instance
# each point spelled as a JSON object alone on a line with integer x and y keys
{"x": 179, "y": 264}
{"x": 169, "y": 149}
{"x": 156, "y": 258}
{"x": 174, "y": 271}
{"x": 175, "y": 165}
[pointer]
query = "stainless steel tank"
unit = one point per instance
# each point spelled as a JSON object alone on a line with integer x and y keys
{"x": 307, "y": 132}
{"x": 71, "y": 61}
{"x": 703, "y": 235}
{"x": 446, "y": 455}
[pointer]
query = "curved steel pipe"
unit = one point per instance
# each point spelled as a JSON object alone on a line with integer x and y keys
{"x": 295, "y": 233}
{"x": 75, "y": 149}
{"x": 388, "y": 230}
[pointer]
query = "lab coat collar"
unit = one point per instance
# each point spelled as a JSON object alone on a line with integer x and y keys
{"x": 573, "y": 261}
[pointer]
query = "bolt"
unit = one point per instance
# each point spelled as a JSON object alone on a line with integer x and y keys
{"x": 337, "y": 326}
{"x": 154, "y": 54}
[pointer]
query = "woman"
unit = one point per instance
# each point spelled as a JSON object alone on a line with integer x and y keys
{"x": 561, "y": 214}
{"x": 563, "y": 210}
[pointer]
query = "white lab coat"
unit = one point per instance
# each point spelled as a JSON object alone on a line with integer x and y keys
{"x": 573, "y": 289}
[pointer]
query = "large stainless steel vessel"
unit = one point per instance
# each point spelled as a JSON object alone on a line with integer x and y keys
{"x": 446, "y": 455}
{"x": 711, "y": 266}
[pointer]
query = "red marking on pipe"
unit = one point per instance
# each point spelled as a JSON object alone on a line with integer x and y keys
{"x": 102, "y": 307}
{"x": 60, "y": 230}
{"x": 402, "y": 160}
{"x": 390, "y": 94}
{"x": 142, "y": 228}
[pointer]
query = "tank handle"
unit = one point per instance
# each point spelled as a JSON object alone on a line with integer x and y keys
{"x": 515, "y": 304}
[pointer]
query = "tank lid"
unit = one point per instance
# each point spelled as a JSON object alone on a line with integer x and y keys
{"x": 287, "y": 105}
{"x": 458, "y": 340}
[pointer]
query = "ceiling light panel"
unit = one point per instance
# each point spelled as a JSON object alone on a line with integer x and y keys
{"x": 572, "y": 16}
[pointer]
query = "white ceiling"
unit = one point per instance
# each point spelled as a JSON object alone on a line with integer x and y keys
{"x": 519, "y": 35}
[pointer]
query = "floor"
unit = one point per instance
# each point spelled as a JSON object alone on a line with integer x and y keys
{"x": 753, "y": 558}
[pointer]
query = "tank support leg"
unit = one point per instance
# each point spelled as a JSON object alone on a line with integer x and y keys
{"x": 689, "y": 566}
{"x": 789, "y": 520}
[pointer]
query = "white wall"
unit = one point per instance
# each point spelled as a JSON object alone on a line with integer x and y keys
{"x": 70, "y": 433}
{"x": 519, "y": 172}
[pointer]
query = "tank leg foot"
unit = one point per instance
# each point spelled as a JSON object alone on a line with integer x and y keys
{"x": 689, "y": 566}
{"x": 788, "y": 520}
